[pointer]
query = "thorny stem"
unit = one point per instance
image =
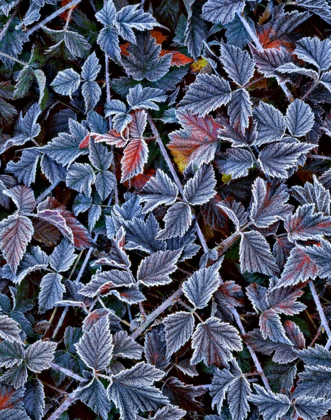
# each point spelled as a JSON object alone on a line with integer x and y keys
{"x": 259, "y": 46}
{"x": 251, "y": 351}
{"x": 158, "y": 311}
{"x": 320, "y": 310}
{"x": 47, "y": 192}
{"x": 63, "y": 407}
{"x": 67, "y": 372}
{"x": 319, "y": 157}
{"x": 49, "y": 18}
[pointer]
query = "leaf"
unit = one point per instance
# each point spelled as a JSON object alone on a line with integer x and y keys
{"x": 145, "y": 98}
{"x": 91, "y": 93}
{"x": 131, "y": 17}
{"x": 310, "y": 408}
{"x": 237, "y": 63}
{"x": 270, "y": 124}
{"x": 39, "y": 355}
{"x": 94, "y": 396}
{"x": 235, "y": 211}
{"x": 200, "y": 189}
{"x": 66, "y": 82}
{"x": 298, "y": 268}
{"x": 25, "y": 169}
{"x": 169, "y": 412}
{"x": 13, "y": 414}
{"x": 268, "y": 203}
{"x": 63, "y": 256}
{"x": 306, "y": 224}
{"x": 313, "y": 194}
{"x": 255, "y": 254}
{"x": 206, "y": 94}
{"x": 23, "y": 198}
{"x": 222, "y": 379}
{"x": 314, "y": 51}
{"x": 103, "y": 282}
{"x": 133, "y": 390}
{"x": 9, "y": 329}
{"x": 238, "y": 393}
{"x": 236, "y": 162}
{"x": 200, "y": 287}
{"x": 155, "y": 269}
{"x": 155, "y": 349}
{"x": 95, "y": 347}
{"x": 159, "y": 190}
{"x": 143, "y": 235}
{"x": 314, "y": 381}
{"x": 183, "y": 395}
{"x": 195, "y": 33}
{"x": 64, "y": 149}
{"x": 240, "y": 109}
{"x": 320, "y": 256}
{"x": 109, "y": 42}
{"x": 299, "y": 118}
{"x": 51, "y": 291}
{"x": 34, "y": 399}
{"x": 10, "y": 398}
{"x": 178, "y": 328}
{"x": 276, "y": 159}
{"x": 16, "y": 376}
{"x": 15, "y": 234}
{"x": 80, "y": 176}
{"x": 11, "y": 352}
{"x": 271, "y": 406}
{"x": 271, "y": 327}
{"x": 76, "y": 44}
{"x": 177, "y": 221}
{"x": 125, "y": 346}
{"x": 134, "y": 158}
{"x": 213, "y": 341}
{"x": 144, "y": 59}
{"x": 317, "y": 355}
{"x": 196, "y": 142}
{"x": 268, "y": 60}
{"x": 222, "y": 11}
{"x": 91, "y": 68}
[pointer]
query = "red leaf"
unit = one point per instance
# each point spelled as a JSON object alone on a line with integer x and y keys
{"x": 86, "y": 142}
{"x": 113, "y": 138}
{"x": 15, "y": 233}
{"x": 134, "y": 158}
{"x": 9, "y": 397}
{"x": 81, "y": 237}
{"x": 197, "y": 141}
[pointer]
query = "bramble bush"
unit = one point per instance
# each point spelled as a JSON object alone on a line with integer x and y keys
{"x": 165, "y": 209}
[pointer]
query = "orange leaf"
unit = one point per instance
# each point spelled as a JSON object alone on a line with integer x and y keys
{"x": 178, "y": 59}
{"x": 124, "y": 48}
{"x": 159, "y": 37}
{"x": 140, "y": 180}
{"x": 134, "y": 158}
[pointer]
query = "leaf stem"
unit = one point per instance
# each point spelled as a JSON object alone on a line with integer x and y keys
{"x": 53, "y": 16}
{"x": 319, "y": 157}
{"x": 67, "y": 372}
{"x": 47, "y": 192}
{"x": 320, "y": 310}
{"x": 251, "y": 351}
{"x": 63, "y": 407}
